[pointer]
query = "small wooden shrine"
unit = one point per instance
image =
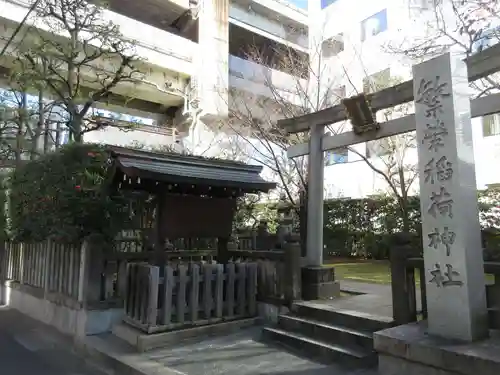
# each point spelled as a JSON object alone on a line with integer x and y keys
{"x": 195, "y": 196}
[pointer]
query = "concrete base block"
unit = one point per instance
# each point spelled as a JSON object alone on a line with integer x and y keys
{"x": 269, "y": 313}
{"x": 409, "y": 350}
{"x": 74, "y": 322}
{"x": 143, "y": 342}
{"x": 319, "y": 283}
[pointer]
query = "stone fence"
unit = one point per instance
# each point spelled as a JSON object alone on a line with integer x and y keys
{"x": 83, "y": 289}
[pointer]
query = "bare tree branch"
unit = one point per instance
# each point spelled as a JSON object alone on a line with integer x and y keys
{"x": 78, "y": 61}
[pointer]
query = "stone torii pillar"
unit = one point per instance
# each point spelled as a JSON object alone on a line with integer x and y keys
{"x": 315, "y": 199}
{"x": 318, "y": 281}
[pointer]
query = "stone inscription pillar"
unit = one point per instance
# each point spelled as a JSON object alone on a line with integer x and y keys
{"x": 456, "y": 297}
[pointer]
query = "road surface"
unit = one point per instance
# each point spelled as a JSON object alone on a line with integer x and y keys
{"x": 30, "y": 348}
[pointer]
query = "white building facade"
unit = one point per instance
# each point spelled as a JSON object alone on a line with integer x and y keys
{"x": 197, "y": 56}
{"x": 194, "y": 55}
{"x": 352, "y": 38}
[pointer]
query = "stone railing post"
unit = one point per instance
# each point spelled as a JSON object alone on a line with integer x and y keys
{"x": 293, "y": 272}
{"x": 404, "y": 308}
{"x": 48, "y": 265}
{"x": 21, "y": 263}
{"x": 91, "y": 261}
{"x": 3, "y": 270}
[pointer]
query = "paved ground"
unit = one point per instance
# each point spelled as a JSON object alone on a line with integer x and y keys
{"x": 374, "y": 299}
{"x": 30, "y": 348}
{"x": 243, "y": 354}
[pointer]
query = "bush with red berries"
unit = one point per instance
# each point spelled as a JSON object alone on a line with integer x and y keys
{"x": 64, "y": 195}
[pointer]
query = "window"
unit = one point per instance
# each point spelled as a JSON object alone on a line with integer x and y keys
{"x": 377, "y": 81}
{"x": 337, "y": 156}
{"x": 325, "y": 3}
{"x": 378, "y": 147}
{"x": 332, "y": 46}
{"x": 374, "y": 25}
{"x": 486, "y": 39}
{"x": 491, "y": 125}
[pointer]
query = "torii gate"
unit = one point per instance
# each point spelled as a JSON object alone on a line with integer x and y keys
{"x": 479, "y": 66}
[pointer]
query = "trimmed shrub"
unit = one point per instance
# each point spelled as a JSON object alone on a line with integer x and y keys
{"x": 65, "y": 195}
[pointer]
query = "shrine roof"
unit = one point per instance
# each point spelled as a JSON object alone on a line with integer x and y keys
{"x": 189, "y": 169}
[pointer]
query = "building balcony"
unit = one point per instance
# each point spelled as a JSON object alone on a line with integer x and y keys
{"x": 245, "y": 75}
{"x": 290, "y": 35}
{"x": 285, "y": 8}
{"x": 167, "y": 58}
{"x": 156, "y": 46}
{"x": 138, "y": 134}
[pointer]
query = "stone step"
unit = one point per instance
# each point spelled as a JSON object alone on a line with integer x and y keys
{"x": 345, "y": 318}
{"x": 329, "y": 333}
{"x": 494, "y": 317}
{"x": 318, "y": 350}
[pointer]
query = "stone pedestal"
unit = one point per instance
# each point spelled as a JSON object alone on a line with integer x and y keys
{"x": 410, "y": 350}
{"x": 319, "y": 283}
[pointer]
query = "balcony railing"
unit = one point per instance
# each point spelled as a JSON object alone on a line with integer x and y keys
{"x": 131, "y": 126}
{"x": 245, "y": 19}
{"x": 266, "y": 79}
{"x": 152, "y": 38}
{"x": 141, "y": 34}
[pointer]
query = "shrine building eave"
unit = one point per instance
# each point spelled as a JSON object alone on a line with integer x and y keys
{"x": 172, "y": 168}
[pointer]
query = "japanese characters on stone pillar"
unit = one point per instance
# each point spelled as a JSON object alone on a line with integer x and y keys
{"x": 448, "y": 198}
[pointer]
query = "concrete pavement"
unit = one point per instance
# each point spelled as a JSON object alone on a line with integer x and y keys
{"x": 28, "y": 347}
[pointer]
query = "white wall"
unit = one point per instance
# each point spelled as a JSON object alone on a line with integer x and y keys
{"x": 359, "y": 59}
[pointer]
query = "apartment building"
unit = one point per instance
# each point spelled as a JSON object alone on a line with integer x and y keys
{"x": 195, "y": 54}
{"x": 352, "y": 39}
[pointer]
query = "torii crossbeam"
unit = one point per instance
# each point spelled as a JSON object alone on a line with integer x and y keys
{"x": 479, "y": 66}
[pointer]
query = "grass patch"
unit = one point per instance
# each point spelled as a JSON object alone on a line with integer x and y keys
{"x": 367, "y": 272}
{"x": 376, "y": 272}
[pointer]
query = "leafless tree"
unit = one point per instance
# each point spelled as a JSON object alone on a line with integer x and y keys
{"x": 253, "y": 116}
{"x": 76, "y": 58}
{"x": 253, "y": 120}
{"x": 466, "y": 26}
{"x": 393, "y": 159}
{"x": 19, "y": 128}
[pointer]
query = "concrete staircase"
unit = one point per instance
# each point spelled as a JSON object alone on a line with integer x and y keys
{"x": 328, "y": 335}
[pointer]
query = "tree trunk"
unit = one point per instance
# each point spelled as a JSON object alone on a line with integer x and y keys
{"x": 403, "y": 202}
{"x": 21, "y": 124}
{"x": 35, "y": 142}
{"x": 76, "y": 129}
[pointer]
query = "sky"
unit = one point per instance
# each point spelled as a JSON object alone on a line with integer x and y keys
{"x": 299, "y": 3}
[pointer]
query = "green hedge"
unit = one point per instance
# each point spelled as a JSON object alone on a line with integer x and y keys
{"x": 366, "y": 227}
{"x": 64, "y": 195}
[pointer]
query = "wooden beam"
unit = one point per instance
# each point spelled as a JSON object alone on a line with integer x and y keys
{"x": 479, "y": 107}
{"x": 479, "y": 66}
